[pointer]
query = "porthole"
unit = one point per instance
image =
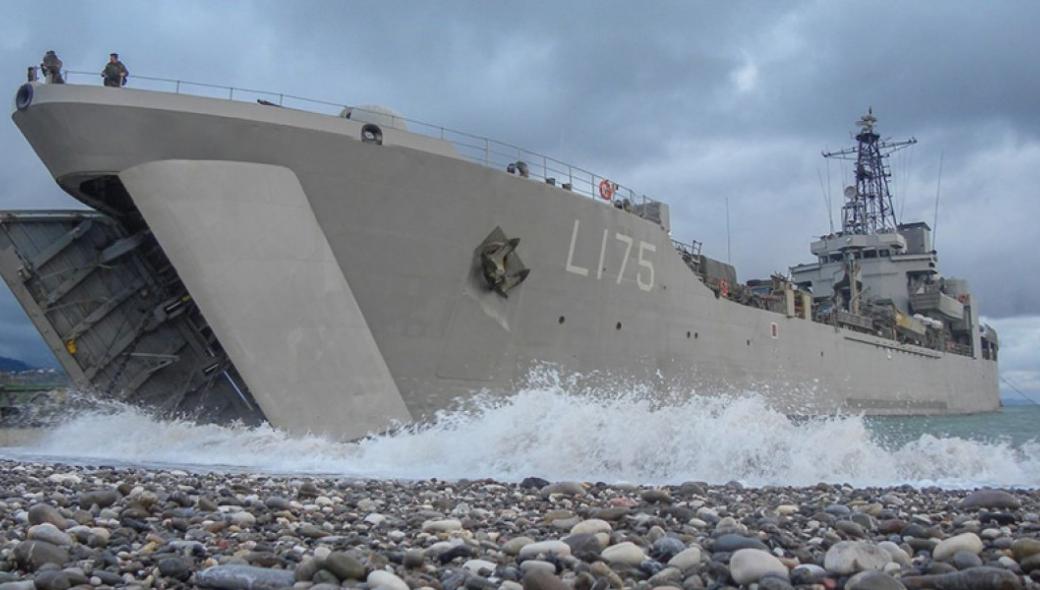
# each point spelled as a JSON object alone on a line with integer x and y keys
{"x": 618, "y": 326}
{"x": 687, "y": 334}
{"x": 748, "y": 342}
{"x": 562, "y": 319}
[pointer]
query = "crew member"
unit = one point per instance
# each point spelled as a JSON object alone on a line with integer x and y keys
{"x": 115, "y": 73}
{"x": 51, "y": 68}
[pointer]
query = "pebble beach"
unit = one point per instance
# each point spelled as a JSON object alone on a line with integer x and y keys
{"x": 98, "y": 527}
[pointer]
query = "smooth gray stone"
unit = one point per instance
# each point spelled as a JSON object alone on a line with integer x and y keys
{"x": 34, "y": 554}
{"x": 41, "y": 513}
{"x": 542, "y": 580}
{"x": 52, "y": 580}
{"x": 243, "y": 577}
{"x": 103, "y": 498}
{"x": 979, "y": 578}
{"x": 345, "y": 566}
{"x": 177, "y": 568}
{"x": 873, "y": 580}
{"x": 991, "y": 499}
{"x": 963, "y": 560}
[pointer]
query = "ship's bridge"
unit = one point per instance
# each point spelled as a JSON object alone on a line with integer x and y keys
{"x": 833, "y": 247}
{"x": 888, "y": 262}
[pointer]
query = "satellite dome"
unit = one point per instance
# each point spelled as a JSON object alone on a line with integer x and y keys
{"x": 379, "y": 115}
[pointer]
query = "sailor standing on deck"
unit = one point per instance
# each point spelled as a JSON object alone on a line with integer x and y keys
{"x": 51, "y": 67}
{"x": 115, "y": 72}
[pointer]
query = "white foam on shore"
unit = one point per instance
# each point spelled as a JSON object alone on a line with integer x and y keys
{"x": 549, "y": 433}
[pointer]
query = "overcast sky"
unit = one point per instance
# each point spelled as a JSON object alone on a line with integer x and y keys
{"x": 692, "y": 103}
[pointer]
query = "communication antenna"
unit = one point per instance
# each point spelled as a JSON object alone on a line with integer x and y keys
{"x": 830, "y": 201}
{"x": 938, "y": 188}
{"x": 729, "y": 249}
{"x": 826, "y": 200}
{"x": 868, "y": 208}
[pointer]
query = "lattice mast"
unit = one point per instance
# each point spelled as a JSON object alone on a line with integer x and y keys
{"x": 868, "y": 205}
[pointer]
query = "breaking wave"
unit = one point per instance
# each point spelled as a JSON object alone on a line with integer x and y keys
{"x": 550, "y": 433}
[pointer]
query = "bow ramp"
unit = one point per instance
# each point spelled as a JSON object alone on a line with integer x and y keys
{"x": 125, "y": 310}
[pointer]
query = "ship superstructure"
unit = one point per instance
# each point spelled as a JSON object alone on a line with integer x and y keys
{"x": 879, "y": 275}
{"x": 340, "y": 273}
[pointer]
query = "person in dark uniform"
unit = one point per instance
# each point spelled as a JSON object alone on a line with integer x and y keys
{"x": 51, "y": 68}
{"x": 115, "y": 73}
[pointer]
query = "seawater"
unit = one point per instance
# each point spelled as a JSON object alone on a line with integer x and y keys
{"x": 551, "y": 433}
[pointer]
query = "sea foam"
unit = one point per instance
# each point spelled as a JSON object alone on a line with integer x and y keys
{"x": 548, "y": 432}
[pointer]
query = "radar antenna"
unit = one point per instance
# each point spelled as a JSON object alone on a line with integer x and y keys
{"x": 868, "y": 206}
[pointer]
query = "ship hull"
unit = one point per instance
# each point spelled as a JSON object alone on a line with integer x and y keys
{"x": 608, "y": 301}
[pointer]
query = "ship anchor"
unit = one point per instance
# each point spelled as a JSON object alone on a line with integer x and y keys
{"x": 501, "y": 267}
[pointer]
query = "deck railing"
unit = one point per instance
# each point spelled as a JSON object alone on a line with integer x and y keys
{"x": 482, "y": 150}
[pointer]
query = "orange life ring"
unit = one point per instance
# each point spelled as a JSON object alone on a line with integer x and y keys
{"x": 724, "y": 287}
{"x": 606, "y": 189}
{"x": 963, "y": 298}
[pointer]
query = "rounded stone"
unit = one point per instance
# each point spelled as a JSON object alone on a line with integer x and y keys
{"x": 873, "y": 580}
{"x": 413, "y": 558}
{"x": 49, "y": 533}
{"x": 537, "y": 564}
{"x": 99, "y": 498}
{"x": 52, "y": 580}
{"x": 591, "y": 527}
{"x": 244, "y": 577}
{"x": 32, "y": 555}
{"x": 541, "y": 580}
{"x": 850, "y": 557}
{"x": 532, "y": 550}
{"x": 991, "y": 499}
{"x": 344, "y": 566}
{"x": 43, "y": 513}
{"x": 626, "y": 553}
{"x": 666, "y": 548}
{"x": 749, "y": 565}
{"x": 177, "y": 568}
{"x": 384, "y": 580}
{"x": 1025, "y": 547}
{"x": 807, "y": 574}
{"x": 514, "y": 545}
{"x": 242, "y": 519}
{"x": 686, "y": 559}
{"x": 896, "y": 552}
{"x": 947, "y": 548}
{"x": 963, "y": 560}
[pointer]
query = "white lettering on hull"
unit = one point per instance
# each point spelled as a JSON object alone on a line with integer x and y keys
{"x": 644, "y": 278}
{"x": 571, "y": 267}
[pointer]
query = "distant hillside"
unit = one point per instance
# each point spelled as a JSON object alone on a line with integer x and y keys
{"x": 13, "y": 365}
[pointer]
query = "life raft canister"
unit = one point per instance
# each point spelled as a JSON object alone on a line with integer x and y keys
{"x": 606, "y": 189}
{"x": 724, "y": 287}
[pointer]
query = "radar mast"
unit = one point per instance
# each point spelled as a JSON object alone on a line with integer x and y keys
{"x": 868, "y": 205}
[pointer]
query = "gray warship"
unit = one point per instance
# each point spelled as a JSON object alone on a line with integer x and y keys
{"x": 338, "y": 270}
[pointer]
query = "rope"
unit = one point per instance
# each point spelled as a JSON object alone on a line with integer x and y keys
{"x": 1019, "y": 391}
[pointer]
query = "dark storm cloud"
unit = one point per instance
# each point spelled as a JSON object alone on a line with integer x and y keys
{"x": 695, "y": 103}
